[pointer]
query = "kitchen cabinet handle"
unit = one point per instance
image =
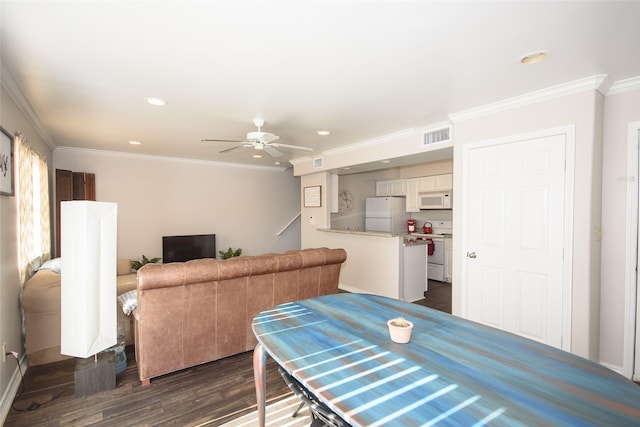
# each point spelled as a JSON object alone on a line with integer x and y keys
{"x": 471, "y": 255}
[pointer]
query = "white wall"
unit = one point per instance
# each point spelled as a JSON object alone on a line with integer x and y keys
{"x": 12, "y": 120}
{"x": 314, "y": 217}
{"x": 620, "y": 110}
{"x": 584, "y": 110}
{"x": 245, "y": 207}
{"x": 362, "y": 273}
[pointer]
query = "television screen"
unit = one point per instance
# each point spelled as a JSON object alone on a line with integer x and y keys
{"x": 185, "y": 248}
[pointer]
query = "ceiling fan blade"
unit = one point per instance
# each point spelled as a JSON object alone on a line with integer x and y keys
{"x": 291, "y": 147}
{"x": 272, "y": 151}
{"x": 231, "y": 149}
{"x": 220, "y": 140}
{"x": 269, "y": 137}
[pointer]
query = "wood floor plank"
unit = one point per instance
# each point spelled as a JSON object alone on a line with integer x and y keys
{"x": 192, "y": 396}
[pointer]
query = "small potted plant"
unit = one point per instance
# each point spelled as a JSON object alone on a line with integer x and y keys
{"x": 136, "y": 264}
{"x": 400, "y": 330}
{"x": 230, "y": 253}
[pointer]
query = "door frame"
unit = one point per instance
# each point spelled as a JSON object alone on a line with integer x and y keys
{"x": 631, "y": 333}
{"x": 567, "y": 274}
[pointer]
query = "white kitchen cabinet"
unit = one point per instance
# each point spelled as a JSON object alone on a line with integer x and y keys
{"x": 424, "y": 184}
{"x": 393, "y": 187}
{"x": 442, "y": 182}
{"x": 412, "y": 187}
{"x": 448, "y": 259}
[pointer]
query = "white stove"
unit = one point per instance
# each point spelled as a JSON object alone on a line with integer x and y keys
{"x": 436, "y": 261}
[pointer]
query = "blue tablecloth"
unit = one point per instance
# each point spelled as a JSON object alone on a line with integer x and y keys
{"x": 452, "y": 372}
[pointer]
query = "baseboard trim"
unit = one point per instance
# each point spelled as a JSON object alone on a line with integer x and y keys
{"x": 12, "y": 389}
{"x": 614, "y": 368}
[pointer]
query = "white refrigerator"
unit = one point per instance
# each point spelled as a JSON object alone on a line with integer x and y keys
{"x": 388, "y": 214}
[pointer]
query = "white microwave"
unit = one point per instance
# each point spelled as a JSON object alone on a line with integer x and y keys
{"x": 435, "y": 200}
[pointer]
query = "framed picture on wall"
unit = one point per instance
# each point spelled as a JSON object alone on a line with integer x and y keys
{"x": 6, "y": 163}
{"x": 312, "y": 197}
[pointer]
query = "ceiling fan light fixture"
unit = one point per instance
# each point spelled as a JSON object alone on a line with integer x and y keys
{"x": 534, "y": 57}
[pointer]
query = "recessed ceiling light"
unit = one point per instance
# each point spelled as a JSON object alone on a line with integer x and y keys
{"x": 276, "y": 163}
{"x": 156, "y": 101}
{"x": 323, "y": 132}
{"x": 533, "y": 57}
{"x": 385, "y": 161}
{"x": 257, "y": 156}
{"x": 346, "y": 168}
{"x": 135, "y": 142}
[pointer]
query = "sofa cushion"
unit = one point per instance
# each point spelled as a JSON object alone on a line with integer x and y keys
{"x": 123, "y": 267}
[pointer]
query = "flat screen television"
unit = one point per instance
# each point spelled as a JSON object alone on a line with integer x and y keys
{"x": 185, "y": 248}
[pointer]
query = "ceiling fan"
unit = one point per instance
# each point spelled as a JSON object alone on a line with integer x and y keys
{"x": 258, "y": 140}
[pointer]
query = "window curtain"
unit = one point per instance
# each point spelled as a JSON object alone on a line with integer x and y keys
{"x": 34, "y": 238}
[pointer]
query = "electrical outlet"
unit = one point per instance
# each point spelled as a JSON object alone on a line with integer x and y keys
{"x": 4, "y": 352}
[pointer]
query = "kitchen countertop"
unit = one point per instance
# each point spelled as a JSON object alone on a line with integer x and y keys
{"x": 360, "y": 232}
{"x": 445, "y": 235}
{"x": 408, "y": 239}
{"x": 412, "y": 241}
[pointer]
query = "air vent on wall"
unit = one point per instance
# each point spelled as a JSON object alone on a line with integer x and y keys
{"x": 436, "y": 135}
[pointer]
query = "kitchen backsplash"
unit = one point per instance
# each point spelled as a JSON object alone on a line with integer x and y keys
{"x": 444, "y": 214}
{"x": 355, "y": 218}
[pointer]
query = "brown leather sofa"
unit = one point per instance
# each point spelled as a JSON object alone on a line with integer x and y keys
{"x": 193, "y": 312}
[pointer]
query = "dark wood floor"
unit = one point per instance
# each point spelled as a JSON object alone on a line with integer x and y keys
{"x": 209, "y": 394}
{"x": 438, "y": 296}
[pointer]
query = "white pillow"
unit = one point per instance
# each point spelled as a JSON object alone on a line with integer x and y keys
{"x": 54, "y": 265}
{"x": 129, "y": 301}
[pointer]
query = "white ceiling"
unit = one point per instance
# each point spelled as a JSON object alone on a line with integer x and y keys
{"x": 358, "y": 69}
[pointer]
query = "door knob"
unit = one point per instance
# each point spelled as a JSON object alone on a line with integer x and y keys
{"x": 471, "y": 255}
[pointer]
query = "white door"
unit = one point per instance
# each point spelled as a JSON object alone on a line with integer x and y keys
{"x": 514, "y": 236}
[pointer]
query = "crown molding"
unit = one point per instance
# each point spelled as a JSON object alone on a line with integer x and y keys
{"x": 598, "y": 82}
{"x": 356, "y": 146}
{"x": 120, "y": 154}
{"x": 368, "y": 143}
{"x": 9, "y": 84}
{"x": 626, "y": 85}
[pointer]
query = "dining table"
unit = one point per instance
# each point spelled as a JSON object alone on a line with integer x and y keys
{"x": 452, "y": 372}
